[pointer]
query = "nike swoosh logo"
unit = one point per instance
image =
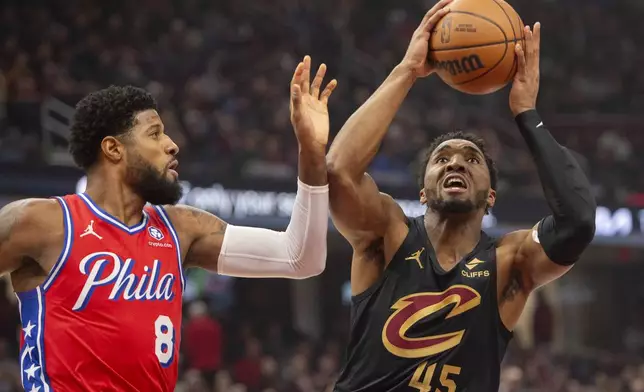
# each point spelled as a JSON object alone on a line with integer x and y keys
{"x": 540, "y": 125}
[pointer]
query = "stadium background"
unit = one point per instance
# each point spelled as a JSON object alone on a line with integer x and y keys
{"x": 220, "y": 71}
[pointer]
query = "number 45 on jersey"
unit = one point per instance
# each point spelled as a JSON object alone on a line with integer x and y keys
{"x": 423, "y": 376}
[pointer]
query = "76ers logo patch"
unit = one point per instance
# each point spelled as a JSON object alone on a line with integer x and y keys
{"x": 155, "y": 233}
{"x": 413, "y": 308}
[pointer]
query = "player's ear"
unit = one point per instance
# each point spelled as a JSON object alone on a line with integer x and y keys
{"x": 423, "y": 197}
{"x": 491, "y": 198}
{"x": 112, "y": 148}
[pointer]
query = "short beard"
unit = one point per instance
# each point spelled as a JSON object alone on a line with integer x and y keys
{"x": 443, "y": 206}
{"x": 151, "y": 186}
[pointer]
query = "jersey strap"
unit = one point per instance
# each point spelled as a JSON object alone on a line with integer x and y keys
{"x": 68, "y": 224}
{"x": 32, "y": 357}
{"x": 168, "y": 224}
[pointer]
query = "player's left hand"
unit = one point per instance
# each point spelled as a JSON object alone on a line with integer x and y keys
{"x": 309, "y": 112}
{"x": 525, "y": 88}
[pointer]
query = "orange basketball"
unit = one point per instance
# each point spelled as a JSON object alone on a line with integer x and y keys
{"x": 472, "y": 47}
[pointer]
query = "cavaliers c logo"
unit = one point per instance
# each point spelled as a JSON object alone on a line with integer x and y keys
{"x": 413, "y": 308}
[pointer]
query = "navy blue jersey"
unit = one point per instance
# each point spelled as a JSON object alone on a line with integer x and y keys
{"x": 421, "y": 328}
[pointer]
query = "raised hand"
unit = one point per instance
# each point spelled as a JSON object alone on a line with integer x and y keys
{"x": 309, "y": 112}
{"x": 525, "y": 87}
{"x": 416, "y": 56}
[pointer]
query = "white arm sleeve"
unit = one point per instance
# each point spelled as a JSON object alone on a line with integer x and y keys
{"x": 299, "y": 252}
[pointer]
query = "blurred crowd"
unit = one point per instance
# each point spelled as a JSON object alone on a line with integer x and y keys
{"x": 222, "y": 355}
{"x": 220, "y": 70}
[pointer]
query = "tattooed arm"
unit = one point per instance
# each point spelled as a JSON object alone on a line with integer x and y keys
{"x": 299, "y": 252}
{"x": 201, "y": 235}
{"x": 31, "y": 239}
{"x": 515, "y": 274}
{"x": 14, "y": 240}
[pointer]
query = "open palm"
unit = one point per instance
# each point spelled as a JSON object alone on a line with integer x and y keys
{"x": 309, "y": 112}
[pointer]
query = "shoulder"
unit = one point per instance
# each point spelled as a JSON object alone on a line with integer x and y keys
{"x": 390, "y": 202}
{"x": 182, "y": 214}
{"x": 511, "y": 242}
{"x": 189, "y": 219}
{"x": 395, "y": 215}
{"x": 30, "y": 213}
{"x": 29, "y": 226}
{"x": 508, "y": 250}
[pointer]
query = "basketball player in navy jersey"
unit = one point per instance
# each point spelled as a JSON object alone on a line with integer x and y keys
{"x": 99, "y": 275}
{"x": 434, "y": 298}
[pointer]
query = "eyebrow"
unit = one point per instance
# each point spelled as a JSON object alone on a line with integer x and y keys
{"x": 468, "y": 148}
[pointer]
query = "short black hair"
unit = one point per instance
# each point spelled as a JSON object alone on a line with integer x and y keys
{"x": 476, "y": 140}
{"x": 107, "y": 112}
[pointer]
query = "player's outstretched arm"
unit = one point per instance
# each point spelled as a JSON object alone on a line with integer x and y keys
{"x": 299, "y": 251}
{"x": 357, "y": 208}
{"x": 558, "y": 240}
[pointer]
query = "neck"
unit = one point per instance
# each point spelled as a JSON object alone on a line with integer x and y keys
{"x": 115, "y": 197}
{"x": 453, "y": 236}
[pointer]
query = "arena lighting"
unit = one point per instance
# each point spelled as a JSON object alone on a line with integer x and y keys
{"x": 247, "y": 203}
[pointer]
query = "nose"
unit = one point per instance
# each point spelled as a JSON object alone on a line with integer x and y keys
{"x": 172, "y": 148}
{"x": 456, "y": 164}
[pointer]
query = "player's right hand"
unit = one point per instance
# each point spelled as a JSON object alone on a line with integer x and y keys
{"x": 416, "y": 56}
{"x": 525, "y": 87}
{"x": 308, "y": 106}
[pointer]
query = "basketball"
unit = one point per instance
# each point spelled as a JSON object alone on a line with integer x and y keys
{"x": 472, "y": 47}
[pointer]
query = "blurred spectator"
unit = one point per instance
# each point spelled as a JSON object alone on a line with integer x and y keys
{"x": 203, "y": 341}
{"x": 544, "y": 321}
{"x": 248, "y": 369}
{"x": 9, "y": 369}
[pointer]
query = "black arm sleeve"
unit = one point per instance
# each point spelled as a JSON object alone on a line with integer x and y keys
{"x": 567, "y": 232}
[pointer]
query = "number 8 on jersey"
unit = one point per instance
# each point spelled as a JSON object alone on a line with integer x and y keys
{"x": 164, "y": 342}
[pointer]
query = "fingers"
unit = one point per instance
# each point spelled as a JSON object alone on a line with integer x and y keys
{"x": 521, "y": 67}
{"x": 317, "y": 81}
{"x": 529, "y": 43}
{"x": 532, "y": 44}
{"x": 435, "y": 18}
{"x": 296, "y": 89}
{"x": 324, "y": 98}
{"x": 306, "y": 75}
{"x": 295, "y": 105}
{"x": 536, "y": 45}
{"x": 300, "y": 83}
{"x": 296, "y": 95}
{"x": 297, "y": 75}
{"x": 434, "y": 14}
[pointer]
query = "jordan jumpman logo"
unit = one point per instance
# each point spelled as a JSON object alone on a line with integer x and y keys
{"x": 90, "y": 230}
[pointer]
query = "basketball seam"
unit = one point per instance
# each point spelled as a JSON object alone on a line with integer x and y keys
{"x": 505, "y": 41}
{"x": 475, "y": 46}
{"x": 514, "y": 59}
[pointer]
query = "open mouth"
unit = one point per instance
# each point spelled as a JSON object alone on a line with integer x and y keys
{"x": 455, "y": 182}
{"x": 172, "y": 168}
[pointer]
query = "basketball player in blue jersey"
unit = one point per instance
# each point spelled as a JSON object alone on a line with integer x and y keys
{"x": 434, "y": 298}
